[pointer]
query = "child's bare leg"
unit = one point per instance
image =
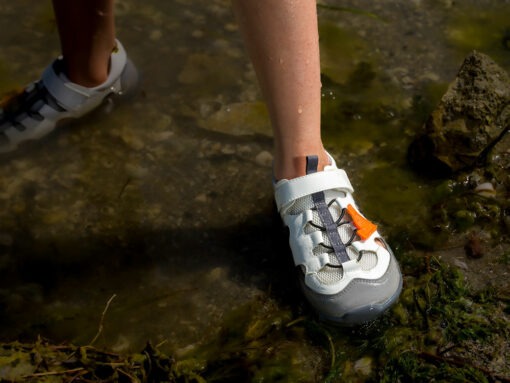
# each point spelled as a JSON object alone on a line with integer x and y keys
{"x": 283, "y": 43}
{"x": 87, "y": 36}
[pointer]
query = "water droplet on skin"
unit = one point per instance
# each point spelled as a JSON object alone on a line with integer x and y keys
{"x": 300, "y": 110}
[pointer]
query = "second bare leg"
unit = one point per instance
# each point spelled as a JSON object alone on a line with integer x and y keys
{"x": 87, "y": 36}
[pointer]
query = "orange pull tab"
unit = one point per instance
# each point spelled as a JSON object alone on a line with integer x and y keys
{"x": 364, "y": 226}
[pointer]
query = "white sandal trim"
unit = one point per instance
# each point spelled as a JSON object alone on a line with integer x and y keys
{"x": 287, "y": 191}
{"x": 74, "y": 97}
{"x": 68, "y": 100}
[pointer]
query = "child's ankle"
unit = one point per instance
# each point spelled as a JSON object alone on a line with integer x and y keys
{"x": 296, "y": 166}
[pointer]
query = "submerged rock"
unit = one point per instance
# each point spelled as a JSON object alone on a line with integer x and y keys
{"x": 239, "y": 119}
{"x": 472, "y": 116}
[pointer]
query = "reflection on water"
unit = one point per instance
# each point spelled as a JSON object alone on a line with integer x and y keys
{"x": 166, "y": 203}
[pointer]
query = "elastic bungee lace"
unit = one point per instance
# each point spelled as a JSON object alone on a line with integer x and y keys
{"x": 338, "y": 223}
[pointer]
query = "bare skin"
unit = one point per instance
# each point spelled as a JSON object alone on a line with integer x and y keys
{"x": 282, "y": 39}
{"x": 283, "y": 42}
{"x": 87, "y": 37}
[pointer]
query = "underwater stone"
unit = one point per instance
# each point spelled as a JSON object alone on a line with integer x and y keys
{"x": 202, "y": 198}
{"x": 264, "y": 158}
{"x": 475, "y": 244}
{"x": 155, "y": 35}
{"x": 239, "y": 119}
{"x": 364, "y": 366}
{"x": 472, "y": 116}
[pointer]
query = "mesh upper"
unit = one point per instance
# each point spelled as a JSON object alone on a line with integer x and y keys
{"x": 330, "y": 275}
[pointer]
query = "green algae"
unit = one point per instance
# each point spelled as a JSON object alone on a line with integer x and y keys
{"x": 457, "y": 325}
{"x": 355, "y": 11}
{"x": 461, "y": 209}
{"x": 333, "y": 41}
{"x": 438, "y": 328}
{"x": 361, "y": 113}
{"x": 484, "y": 29}
{"x": 263, "y": 340}
{"x": 437, "y": 331}
{"x": 426, "y": 100}
{"x": 257, "y": 342}
{"x": 43, "y": 362}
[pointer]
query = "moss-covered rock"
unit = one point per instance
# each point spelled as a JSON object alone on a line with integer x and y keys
{"x": 473, "y": 115}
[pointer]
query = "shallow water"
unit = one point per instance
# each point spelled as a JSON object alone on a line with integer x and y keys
{"x": 166, "y": 205}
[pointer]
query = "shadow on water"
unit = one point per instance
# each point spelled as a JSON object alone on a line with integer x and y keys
{"x": 253, "y": 253}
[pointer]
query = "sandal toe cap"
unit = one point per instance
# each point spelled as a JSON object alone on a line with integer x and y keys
{"x": 362, "y": 300}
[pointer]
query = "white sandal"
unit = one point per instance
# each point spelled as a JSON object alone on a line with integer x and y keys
{"x": 349, "y": 274}
{"x": 53, "y": 99}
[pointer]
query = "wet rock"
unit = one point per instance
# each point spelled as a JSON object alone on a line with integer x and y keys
{"x": 264, "y": 158}
{"x": 207, "y": 108}
{"x": 227, "y": 150}
{"x": 156, "y": 35}
{"x": 471, "y": 118}
{"x": 364, "y": 366}
{"x": 238, "y": 119}
{"x": 474, "y": 246}
{"x": 466, "y": 138}
{"x": 202, "y": 198}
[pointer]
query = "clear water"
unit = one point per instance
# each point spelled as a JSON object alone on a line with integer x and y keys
{"x": 166, "y": 203}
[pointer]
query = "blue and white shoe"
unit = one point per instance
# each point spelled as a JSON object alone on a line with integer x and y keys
{"x": 54, "y": 99}
{"x": 348, "y": 272}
